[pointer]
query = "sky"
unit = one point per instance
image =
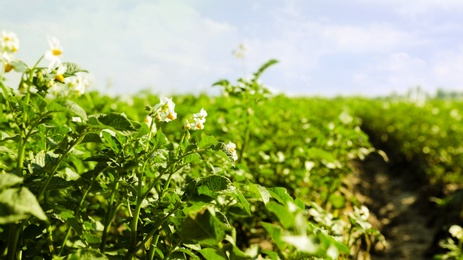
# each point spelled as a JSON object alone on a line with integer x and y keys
{"x": 324, "y": 47}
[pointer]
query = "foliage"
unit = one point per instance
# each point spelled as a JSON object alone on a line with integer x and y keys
{"x": 82, "y": 179}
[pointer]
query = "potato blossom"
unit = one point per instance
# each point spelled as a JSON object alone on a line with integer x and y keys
{"x": 54, "y": 53}
{"x": 456, "y": 231}
{"x": 231, "y": 150}
{"x": 199, "y": 120}
{"x": 9, "y": 42}
{"x": 165, "y": 110}
{"x": 77, "y": 83}
{"x": 149, "y": 122}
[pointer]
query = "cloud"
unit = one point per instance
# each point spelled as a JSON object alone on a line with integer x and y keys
{"x": 184, "y": 46}
{"x": 166, "y": 44}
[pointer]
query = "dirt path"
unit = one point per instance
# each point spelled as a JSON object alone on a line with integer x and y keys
{"x": 398, "y": 208}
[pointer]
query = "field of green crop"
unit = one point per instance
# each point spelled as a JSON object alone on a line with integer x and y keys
{"x": 243, "y": 175}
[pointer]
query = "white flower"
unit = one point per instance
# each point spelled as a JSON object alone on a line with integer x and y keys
{"x": 58, "y": 73}
{"x": 7, "y": 64}
{"x": 345, "y": 118}
{"x": 54, "y": 53}
{"x": 231, "y": 149}
{"x": 76, "y": 119}
{"x": 8, "y": 42}
{"x": 360, "y": 215}
{"x": 456, "y": 231}
{"x": 201, "y": 116}
{"x": 77, "y": 84}
{"x": 197, "y": 125}
{"x": 332, "y": 252}
{"x": 200, "y": 119}
{"x": 301, "y": 242}
{"x": 165, "y": 110}
{"x": 362, "y": 212}
{"x": 149, "y": 121}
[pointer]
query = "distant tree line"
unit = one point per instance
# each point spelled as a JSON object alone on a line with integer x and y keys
{"x": 418, "y": 94}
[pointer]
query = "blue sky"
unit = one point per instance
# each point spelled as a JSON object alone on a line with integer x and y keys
{"x": 325, "y": 47}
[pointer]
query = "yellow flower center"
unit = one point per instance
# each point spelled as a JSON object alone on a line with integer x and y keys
{"x": 56, "y": 52}
{"x": 60, "y": 77}
{"x": 170, "y": 116}
{"x": 8, "y": 67}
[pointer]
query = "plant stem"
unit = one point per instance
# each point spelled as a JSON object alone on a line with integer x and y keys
{"x": 172, "y": 249}
{"x": 50, "y": 241}
{"x": 77, "y": 210}
{"x": 151, "y": 233}
{"x": 15, "y": 230}
{"x": 136, "y": 214}
{"x": 109, "y": 214}
{"x": 58, "y": 163}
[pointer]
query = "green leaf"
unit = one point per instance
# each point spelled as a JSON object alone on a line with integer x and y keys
{"x": 17, "y": 204}
{"x": 204, "y": 227}
{"x": 72, "y": 68}
{"x": 222, "y": 83}
{"x": 117, "y": 121}
{"x": 212, "y": 185}
{"x": 244, "y": 202}
{"x": 264, "y": 67}
{"x": 87, "y": 254}
{"x": 74, "y": 108}
{"x": 192, "y": 158}
{"x": 160, "y": 138}
{"x": 206, "y": 142}
{"x": 91, "y": 138}
{"x": 8, "y": 180}
{"x": 261, "y": 191}
{"x": 281, "y": 195}
{"x": 287, "y": 219}
{"x": 272, "y": 254}
{"x": 69, "y": 217}
{"x": 320, "y": 154}
{"x": 275, "y": 233}
{"x": 212, "y": 254}
{"x": 38, "y": 102}
{"x": 327, "y": 241}
{"x": 57, "y": 183}
{"x": 91, "y": 238}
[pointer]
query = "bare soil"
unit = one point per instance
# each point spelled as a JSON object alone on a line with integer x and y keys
{"x": 399, "y": 201}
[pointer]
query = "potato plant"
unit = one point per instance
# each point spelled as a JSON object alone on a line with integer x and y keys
{"x": 241, "y": 176}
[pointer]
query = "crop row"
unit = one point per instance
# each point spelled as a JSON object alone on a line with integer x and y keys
{"x": 256, "y": 175}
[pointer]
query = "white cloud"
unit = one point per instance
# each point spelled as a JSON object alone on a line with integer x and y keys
{"x": 187, "y": 45}
{"x": 165, "y": 44}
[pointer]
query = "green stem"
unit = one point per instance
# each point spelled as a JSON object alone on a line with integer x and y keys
{"x": 247, "y": 130}
{"x": 15, "y": 230}
{"x": 172, "y": 249}
{"x": 154, "y": 230}
{"x": 109, "y": 214}
{"x": 50, "y": 241}
{"x": 136, "y": 214}
{"x": 368, "y": 242}
{"x": 77, "y": 209}
{"x": 57, "y": 164}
